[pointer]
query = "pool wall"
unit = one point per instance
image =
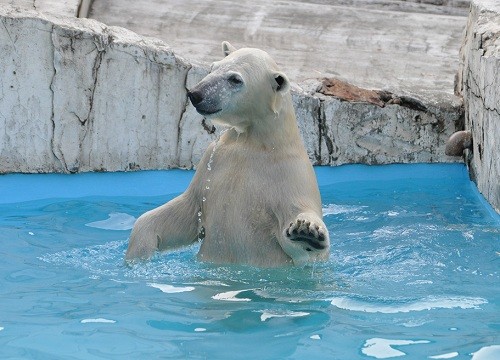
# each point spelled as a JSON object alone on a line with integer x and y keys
{"x": 480, "y": 86}
{"x": 80, "y": 96}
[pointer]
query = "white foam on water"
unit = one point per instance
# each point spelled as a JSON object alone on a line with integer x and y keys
{"x": 211, "y": 283}
{"x": 428, "y": 303}
{"x": 491, "y": 352}
{"x": 169, "y": 289}
{"x": 123, "y": 281}
{"x": 1, "y": 328}
{"x": 231, "y": 296}
{"x": 315, "y": 337}
{"x": 268, "y": 314}
{"x": 445, "y": 356}
{"x": 416, "y": 323}
{"x": 382, "y": 348}
{"x": 468, "y": 235}
{"x": 334, "y": 209}
{"x": 116, "y": 221}
{"x": 98, "y": 259}
{"x": 388, "y": 232}
{"x": 98, "y": 320}
{"x": 200, "y": 329}
{"x": 420, "y": 282}
{"x": 361, "y": 218}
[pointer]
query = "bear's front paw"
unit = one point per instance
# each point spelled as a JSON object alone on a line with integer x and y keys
{"x": 309, "y": 234}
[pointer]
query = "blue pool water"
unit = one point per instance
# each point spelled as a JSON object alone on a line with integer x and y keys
{"x": 414, "y": 274}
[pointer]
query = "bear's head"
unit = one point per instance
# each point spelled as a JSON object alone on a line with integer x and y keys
{"x": 243, "y": 88}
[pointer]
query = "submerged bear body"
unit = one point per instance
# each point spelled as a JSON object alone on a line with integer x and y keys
{"x": 254, "y": 198}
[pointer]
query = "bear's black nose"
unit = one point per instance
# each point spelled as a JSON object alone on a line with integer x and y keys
{"x": 195, "y": 97}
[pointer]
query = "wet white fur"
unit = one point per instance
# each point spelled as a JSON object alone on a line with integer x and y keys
{"x": 260, "y": 179}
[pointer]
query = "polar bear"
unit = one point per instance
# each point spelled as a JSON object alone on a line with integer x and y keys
{"x": 254, "y": 198}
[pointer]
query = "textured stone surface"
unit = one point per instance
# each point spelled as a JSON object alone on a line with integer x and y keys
{"x": 80, "y": 96}
{"x": 480, "y": 86}
{"x": 392, "y": 45}
{"x": 56, "y": 7}
{"x": 25, "y": 96}
{"x": 402, "y": 47}
{"x": 384, "y": 129}
{"x": 102, "y": 98}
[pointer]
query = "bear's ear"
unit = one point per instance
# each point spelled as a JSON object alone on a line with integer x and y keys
{"x": 281, "y": 82}
{"x": 227, "y": 48}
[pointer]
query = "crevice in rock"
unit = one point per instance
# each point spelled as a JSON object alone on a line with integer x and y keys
{"x": 59, "y": 157}
{"x": 8, "y": 33}
{"x": 324, "y": 137}
{"x": 95, "y": 78}
{"x": 181, "y": 119}
{"x": 82, "y": 122}
{"x": 321, "y": 120}
{"x": 477, "y": 96}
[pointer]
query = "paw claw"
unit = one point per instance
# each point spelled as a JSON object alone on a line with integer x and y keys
{"x": 310, "y": 235}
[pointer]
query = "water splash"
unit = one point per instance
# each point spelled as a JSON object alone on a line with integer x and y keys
{"x": 211, "y": 159}
{"x": 335, "y": 209}
{"x": 201, "y": 229}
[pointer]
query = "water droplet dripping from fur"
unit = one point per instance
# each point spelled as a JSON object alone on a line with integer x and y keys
{"x": 201, "y": 232}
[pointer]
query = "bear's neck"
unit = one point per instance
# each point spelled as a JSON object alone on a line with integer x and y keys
{"x": 277, "y": 131}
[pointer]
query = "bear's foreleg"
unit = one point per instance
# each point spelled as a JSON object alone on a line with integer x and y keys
{"x": 171, "y": 225}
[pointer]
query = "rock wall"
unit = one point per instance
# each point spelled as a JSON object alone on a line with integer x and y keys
{"x": 68, "y": 8}
{"x": 379, "y": 127}
{"x": 80, "y": 96}
{"x": 77, "y": 95}
{"x": 479, "y": 83}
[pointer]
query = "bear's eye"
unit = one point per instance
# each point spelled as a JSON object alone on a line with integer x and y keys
{"x": 235, "y": 79}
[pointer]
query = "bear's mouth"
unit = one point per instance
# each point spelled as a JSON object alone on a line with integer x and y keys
{"x": 207, "y": 112}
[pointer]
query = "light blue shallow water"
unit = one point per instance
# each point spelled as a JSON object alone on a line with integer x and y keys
{"x": 414, "y": 273}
